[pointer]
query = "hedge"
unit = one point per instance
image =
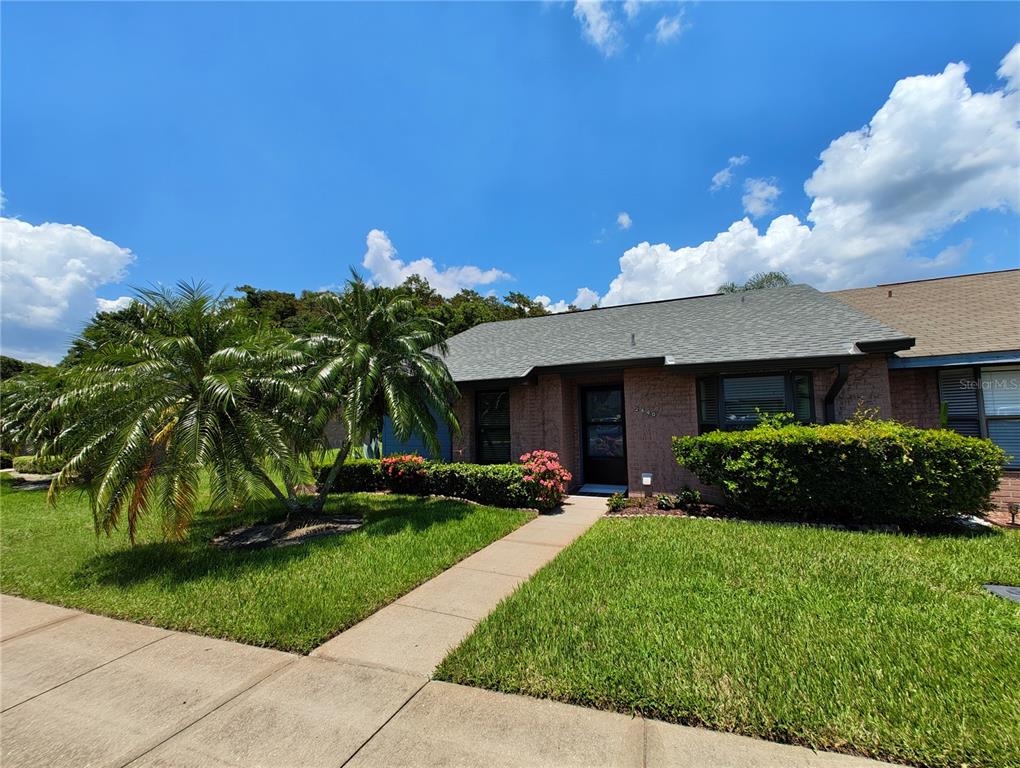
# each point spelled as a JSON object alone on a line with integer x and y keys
{"x": 867, "y": 471}
{"x": 38, "y": 465}
{"x": 498, "y": 485}
{"x": 6, "y": 460}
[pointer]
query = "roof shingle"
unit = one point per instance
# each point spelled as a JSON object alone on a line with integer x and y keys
{"x": 796, "y": 322}
{"x": 948, "y": 315}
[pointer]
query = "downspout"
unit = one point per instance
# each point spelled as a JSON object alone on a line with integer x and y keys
{"x": 842, "y": 371}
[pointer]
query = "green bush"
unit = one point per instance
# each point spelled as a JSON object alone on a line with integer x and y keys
{"x": 498, "y": 485}
{"x": 6, "y": 460}
{"x": 38, "y": 465}
{"x": 868, "y": 471}
{"x": 357, "y": 475}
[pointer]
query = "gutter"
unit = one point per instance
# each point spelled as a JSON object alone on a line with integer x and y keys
{"x": 842, "y": 371}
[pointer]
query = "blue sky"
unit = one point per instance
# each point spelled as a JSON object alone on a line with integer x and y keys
{"x": 279, "y": 144}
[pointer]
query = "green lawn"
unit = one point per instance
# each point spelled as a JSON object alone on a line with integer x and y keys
{"x": 879, "y": 644}
{"x": 291, "y": 598}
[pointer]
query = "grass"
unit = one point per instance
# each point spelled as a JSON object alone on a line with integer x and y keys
{"x": 292, "y": 598}
{"x": 878, "y": 644}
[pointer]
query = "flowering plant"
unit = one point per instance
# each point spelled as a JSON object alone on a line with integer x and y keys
{"x": 545, "y": 479}
{"x": 406, "y": 473}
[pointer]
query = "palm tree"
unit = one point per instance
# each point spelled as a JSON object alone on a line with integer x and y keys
{"x": 756, "y": 281}
{"x": 193, "y": 387}
{"x": 380, "y": 358}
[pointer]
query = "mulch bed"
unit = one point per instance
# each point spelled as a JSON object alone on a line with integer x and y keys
{"x": 285, "y": 534}
{"x": 640, "y": 506}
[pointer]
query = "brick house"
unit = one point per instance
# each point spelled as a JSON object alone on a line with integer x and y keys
{"x": 607, "y": 388}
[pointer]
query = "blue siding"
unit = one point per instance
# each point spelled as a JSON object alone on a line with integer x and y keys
{"x": 415, "y": 444}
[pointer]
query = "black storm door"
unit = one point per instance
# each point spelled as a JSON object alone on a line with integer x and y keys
{"x": 602, "y": 433}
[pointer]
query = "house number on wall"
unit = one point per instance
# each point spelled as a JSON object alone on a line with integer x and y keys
{"x": 644, "y": 411}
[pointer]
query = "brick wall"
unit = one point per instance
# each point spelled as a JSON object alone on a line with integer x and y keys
{"x": 660, "y": 404}
{"x": 537, "y": 417}
{"x": 915, "y": 396}
{"x": 867, "y": 386}
{"x": 1009, "y": 492}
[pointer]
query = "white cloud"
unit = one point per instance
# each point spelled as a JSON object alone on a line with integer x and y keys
{"x": 669, "y": 28}
{"x": 933, "y": 154}
{"x": 724, "y": 177}
{"x": 759, "y": 196}
{"x": 599, "y": 26}
{"x": 48, "y": 277}
{"x": 631, "y": 8}
{"x": 623, "y": 220}
{"x": 113, "y": 305}
{"x": 584, "y": 299}
{"x": 386, "y": 269}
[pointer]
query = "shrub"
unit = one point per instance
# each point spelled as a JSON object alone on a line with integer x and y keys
{"x": 545, "y": 478}
{"x": 539, "y": 482}
{"x": 875, "y": 471}
{"x": 357, "y": 475}
{"x": 685, "y": 498}
{"x": 499, "y": 485}
{"x": 405, "y": 474}
{"x": 38, "y": 465}
{"x": 616, "y": 502}
{"x": 6, "y": 460}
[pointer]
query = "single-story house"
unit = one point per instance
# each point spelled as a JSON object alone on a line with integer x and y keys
{"x": 607, "y": 388}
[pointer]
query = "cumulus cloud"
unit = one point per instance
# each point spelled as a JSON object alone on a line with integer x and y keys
{"x": 113, "y": 305}
{"x": 724, "y": 177}
{"x": 585, "y": 299}
{"x": 48, "y": 277}
{"x": 385, "y": 268}
{"x": 932, "y": 155}
{"x": 759, "y": 196}
{"x": 623, "y": 220}
{"x": 669, "y": 28}
{"x": 599, "y": 26}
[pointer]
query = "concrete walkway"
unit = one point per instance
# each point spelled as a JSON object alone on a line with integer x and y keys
{"x": 416, "y": 632}
{"x": 83, "y": 690}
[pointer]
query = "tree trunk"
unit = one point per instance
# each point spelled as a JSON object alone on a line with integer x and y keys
{"x": 341, "y": 456}
{"x": 290, "y": 504}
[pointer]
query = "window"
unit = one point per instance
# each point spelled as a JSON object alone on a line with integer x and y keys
{"x": 492, "y": 426}
{"x": 735, "y": 402}
{"x": 984, "y": 402}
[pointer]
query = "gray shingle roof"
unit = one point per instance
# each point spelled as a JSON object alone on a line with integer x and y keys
{"x": 790, "y": 323}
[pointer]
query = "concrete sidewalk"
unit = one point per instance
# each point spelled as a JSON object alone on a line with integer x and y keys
{"x": 413, "y": 634}
{"x": 83, "y": 690}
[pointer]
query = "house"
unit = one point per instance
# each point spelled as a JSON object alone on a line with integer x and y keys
{"x": 965, "y": 360}
{"x": 607, "y": 388}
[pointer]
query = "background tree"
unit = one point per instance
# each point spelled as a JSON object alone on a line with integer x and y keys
{"x": 756, "y": 281}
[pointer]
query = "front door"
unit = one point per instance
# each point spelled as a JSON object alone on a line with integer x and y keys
{"x": 602, "y": 433}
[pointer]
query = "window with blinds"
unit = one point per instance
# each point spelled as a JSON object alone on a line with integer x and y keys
{"x": 984, "y": 402}
{"x": 492, "y": 426}
{"x": 958, "y": 391}
{"x": 737, "y": 402}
